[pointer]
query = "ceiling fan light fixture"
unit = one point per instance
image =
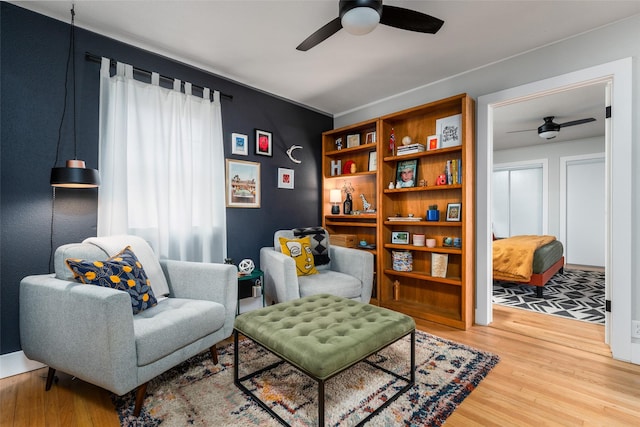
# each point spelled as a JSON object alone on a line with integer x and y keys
{"x": 548, "y": 134}
{"x": 360, "y": 20}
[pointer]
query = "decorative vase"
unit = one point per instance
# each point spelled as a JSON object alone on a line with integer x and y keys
{"x": 433, "y": 215}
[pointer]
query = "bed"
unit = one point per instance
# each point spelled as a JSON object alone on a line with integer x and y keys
{"x": 527, "y": 259}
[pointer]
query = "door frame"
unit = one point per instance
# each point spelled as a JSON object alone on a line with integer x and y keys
{"x": 619, "y": 221}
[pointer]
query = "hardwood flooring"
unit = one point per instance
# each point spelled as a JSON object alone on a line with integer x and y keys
{"x": 553, "y": 371}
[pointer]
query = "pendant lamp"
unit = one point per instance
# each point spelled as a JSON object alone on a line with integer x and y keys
{"x": 74, "y": 174}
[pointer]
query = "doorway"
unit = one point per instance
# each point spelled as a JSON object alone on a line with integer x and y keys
{"x": 618, "y": 166}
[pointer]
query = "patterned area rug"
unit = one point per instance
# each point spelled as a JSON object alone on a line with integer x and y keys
{"x": 575, "y": 294}
{"x": 200, "y": 393}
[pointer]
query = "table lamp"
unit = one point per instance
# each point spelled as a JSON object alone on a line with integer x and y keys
{"x": 335, "y": 197}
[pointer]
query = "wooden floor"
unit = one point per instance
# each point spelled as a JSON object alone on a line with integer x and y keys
{"x": 552, "y": 371}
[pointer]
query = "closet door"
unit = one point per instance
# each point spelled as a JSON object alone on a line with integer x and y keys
{"x": 585, "y": 212}
{"x": 517, "y": 200}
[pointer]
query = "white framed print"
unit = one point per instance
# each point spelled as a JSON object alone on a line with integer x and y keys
{"x": 449, "y": 131}
{"x": 239, "y": 144}
{"x": 285, "y": 178}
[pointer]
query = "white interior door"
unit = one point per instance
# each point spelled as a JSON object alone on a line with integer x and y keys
{"x": 584, "y": 218}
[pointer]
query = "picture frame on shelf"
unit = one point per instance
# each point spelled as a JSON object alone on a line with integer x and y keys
{"x": 239, "y": 144}
{"x": 433, "y": 142}
{"x": 373, "y": 161}
{"x": 242, "y": 181}
{"x": 370, "y": 138}
{"x": 449, "y": 131}
{"x": 264, "y": 143}
{"x": 353, "y": 140}
{"x": 406, "y": 173}
{"x": 439, "y": 264}
{"x": 285, "y": 178}
{"x": 400, "y": 237}
{"x": 454, "y": 211}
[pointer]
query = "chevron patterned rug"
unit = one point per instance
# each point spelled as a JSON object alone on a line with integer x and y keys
{"x": 575, "y": 294}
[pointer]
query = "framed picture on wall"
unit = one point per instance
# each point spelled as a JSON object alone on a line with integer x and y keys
{"x": 242, "y": 181}
{"x": 239, "y": 144}
{"x": 264, "y": 142}
{"x": 285, "y": 178}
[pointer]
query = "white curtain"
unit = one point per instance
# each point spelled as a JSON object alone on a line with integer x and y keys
{"x": 161, "y": 161}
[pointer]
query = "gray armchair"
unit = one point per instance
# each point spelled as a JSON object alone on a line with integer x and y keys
{"x": 91, "y": 332}
{"x": 349, "y": 274}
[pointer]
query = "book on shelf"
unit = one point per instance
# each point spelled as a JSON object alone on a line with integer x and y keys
{"x": 453, "y": 171}
{"x": 410, "y": 149}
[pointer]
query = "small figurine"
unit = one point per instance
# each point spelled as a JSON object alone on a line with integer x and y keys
{"x": 391, "y": 186}
{"x": 339, "y": 144}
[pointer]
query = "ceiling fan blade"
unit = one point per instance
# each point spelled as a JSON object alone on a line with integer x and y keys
{"x": 577, "y": 122}
{"x": 321, "y": 35}
{"x": 411, "y": 20}
{"x": 523, "y": 130}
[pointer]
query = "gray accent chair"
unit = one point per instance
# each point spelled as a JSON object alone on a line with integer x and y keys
{"x": 90, "y": 331}
{"x": 349, "y": 274}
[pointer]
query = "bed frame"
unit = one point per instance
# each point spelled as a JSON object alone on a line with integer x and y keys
{"x": 540, "y": 279}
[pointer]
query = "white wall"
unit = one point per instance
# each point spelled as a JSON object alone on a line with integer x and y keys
{"x": 604, "y": 45}
{"x": 552, "y": 152}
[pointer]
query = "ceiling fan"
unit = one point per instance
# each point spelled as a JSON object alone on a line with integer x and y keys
{"x": 550, "y": 129}
{"x": 361, "y": 17}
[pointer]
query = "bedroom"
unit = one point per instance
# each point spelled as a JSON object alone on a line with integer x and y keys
{"x": 543, "y": 187}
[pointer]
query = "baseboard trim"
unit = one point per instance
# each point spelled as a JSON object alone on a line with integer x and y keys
{"x": 17, "y": 363}
{"x": 635, "y": 353}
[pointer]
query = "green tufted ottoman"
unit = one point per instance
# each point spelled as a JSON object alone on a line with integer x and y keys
{"x": 322, "y": 335}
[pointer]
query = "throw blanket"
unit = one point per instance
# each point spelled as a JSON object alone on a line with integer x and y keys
{"x": 513, "y": 256}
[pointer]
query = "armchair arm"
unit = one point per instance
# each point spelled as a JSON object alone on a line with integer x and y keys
{"x": 83, "y": 330}
{"x": 280, "y": 275}
{"x": 354, "y": 262}
{"x": 205, "y": 281}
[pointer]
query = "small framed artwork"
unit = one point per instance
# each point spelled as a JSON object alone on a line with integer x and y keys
{"x": 239, "y": 144}
{"x": 400, "y": 237}
{"x": 454, "y": 211}
{"x": 370, "y": 138}
{"x": 406, "y": 173}
{"x": 353, "y": 140}
{"x": 264, "y": 142}
{"x": 449, "y": 131}
{"x": 432, "y": 142}
{"x": 285, "y": 178}
{"x": 242, "y": 181}
{"x": 373, "y": 160}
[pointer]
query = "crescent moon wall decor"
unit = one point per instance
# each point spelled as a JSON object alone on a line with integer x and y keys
{"x": 290, "y": 153}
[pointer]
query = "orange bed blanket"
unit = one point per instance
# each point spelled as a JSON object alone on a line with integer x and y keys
{"x": 513, "y": 256}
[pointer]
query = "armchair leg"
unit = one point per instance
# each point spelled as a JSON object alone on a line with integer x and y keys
{"x": 214, "y": 354}
{"x": 140, "y": 393}
{"x": 50, "y": 376}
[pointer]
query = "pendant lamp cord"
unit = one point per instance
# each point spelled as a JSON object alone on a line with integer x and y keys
{"x": 70, "y": 59}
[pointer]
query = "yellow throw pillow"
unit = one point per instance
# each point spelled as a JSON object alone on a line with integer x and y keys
{"x": 300, "y": 251}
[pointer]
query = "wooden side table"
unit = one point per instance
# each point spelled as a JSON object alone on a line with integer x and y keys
{"x": 246, "y": 284}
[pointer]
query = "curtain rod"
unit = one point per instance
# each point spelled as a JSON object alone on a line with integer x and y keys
{"x": 98, "y": 59}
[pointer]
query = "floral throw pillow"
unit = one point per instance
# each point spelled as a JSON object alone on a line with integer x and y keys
{"x": 122, "y": 271}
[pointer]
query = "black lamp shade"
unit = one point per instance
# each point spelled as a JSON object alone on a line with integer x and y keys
{"x": 74, "y": 177}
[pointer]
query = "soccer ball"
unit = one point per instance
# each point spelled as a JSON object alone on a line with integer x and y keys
{"x": 246, "y": 266}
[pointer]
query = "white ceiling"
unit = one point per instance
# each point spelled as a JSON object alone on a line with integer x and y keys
{"x": 254, "y": 43}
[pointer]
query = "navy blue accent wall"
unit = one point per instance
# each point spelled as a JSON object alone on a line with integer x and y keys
{"x": 32, "y": 63}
